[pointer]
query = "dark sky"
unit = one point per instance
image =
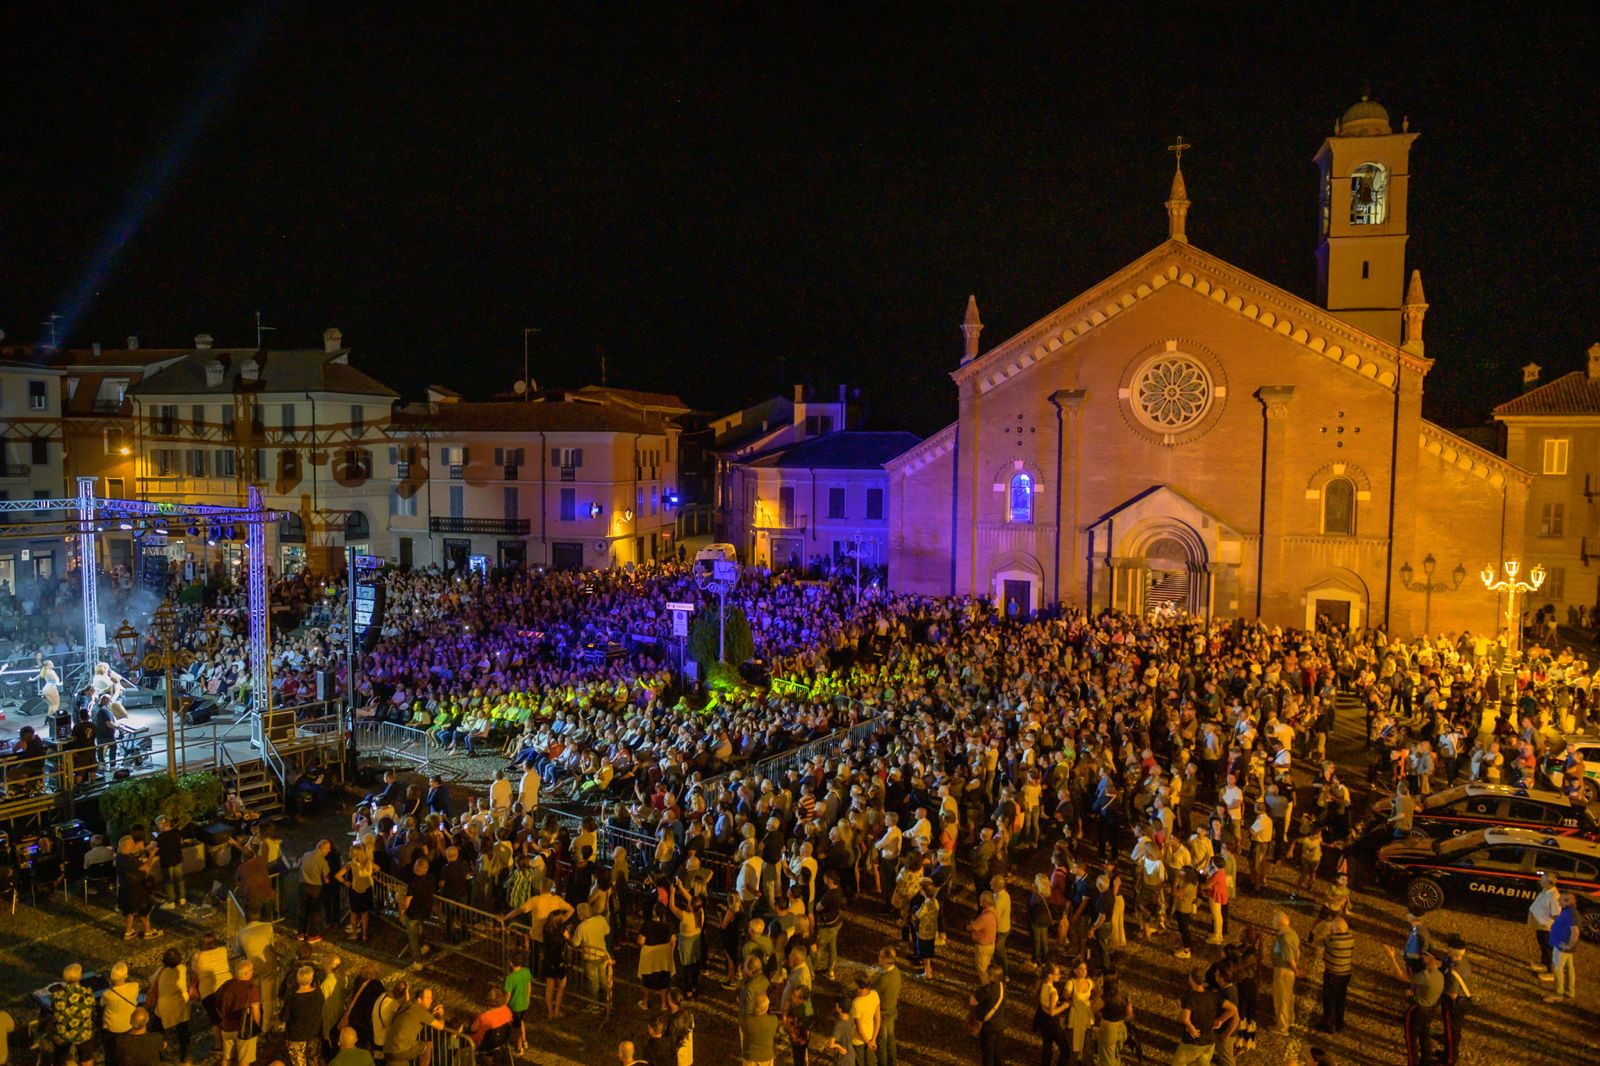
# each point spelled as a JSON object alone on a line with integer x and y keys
{"x": 729, "y": 202}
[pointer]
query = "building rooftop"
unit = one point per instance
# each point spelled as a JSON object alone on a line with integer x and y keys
{"x": 543, "y": 415}
{"x": 847, "y": 450}
{"x": 297, "y": 370}
{"x": 637, "y": 397}
{"x": 1576, "y": 393}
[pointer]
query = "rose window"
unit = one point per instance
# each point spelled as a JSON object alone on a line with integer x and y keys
{"x": 1172, "y": 393}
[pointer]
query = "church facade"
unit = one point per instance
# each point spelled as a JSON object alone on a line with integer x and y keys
{"x": 1187, "y": 434}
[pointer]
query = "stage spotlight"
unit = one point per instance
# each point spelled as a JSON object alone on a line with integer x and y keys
{"x": 194, "y": 531}
{"x": 124, "y": 524}
{"x": 211, "y": 535}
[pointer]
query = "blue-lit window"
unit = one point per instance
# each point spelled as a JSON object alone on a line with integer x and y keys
{"x": 1021, "y": 508}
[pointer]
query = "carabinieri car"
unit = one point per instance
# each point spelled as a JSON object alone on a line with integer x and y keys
{"x": 1463, "y": 808}
{"x": 1498, "y": 868}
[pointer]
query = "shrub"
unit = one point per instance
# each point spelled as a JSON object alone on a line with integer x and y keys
{"x": 139, "y": 801}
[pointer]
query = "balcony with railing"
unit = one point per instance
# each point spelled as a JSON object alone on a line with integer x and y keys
{"x": 500, "y": 527}
{"x": 15, "y": 470}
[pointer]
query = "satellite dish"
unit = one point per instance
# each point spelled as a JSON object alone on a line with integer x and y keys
{"x": 520, "y": 387}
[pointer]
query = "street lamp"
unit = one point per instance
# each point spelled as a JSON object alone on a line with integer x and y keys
{"x": 1428, "y": 587}
{"x": 167, "y": 658}
{"x": 1512, "y": 585}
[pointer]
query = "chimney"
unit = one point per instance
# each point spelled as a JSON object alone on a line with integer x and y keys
{"x": 1594, "y": 362}
{"x": 1530, "y": 376}
{"x": 250, "y": 370}
{"x": 202, "y": 341}
{"x": 843, "y": 407}
{"x": 133, "y": 343}
{"x": 799, "y": 394}
{"x": 332, "y": 340}
{"x": 214, "y": 373}
{"x": 96, "y": 349}
{"x": 970, "y": 328}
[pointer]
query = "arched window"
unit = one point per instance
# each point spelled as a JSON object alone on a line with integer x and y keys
{"x": 1021, "y": 507}
{"x": 1339, "y": 507}
{"x": 1369, "y": 194}
{"x": 356, "y": 526}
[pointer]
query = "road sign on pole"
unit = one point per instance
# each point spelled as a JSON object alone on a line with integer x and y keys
{"x": 680, "y": 623}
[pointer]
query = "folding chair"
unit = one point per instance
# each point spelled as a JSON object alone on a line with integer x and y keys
{"x": 102, "y": 875}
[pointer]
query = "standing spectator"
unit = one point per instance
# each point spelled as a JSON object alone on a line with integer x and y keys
{"x": 553, "y": 967}
{"x": 1002, "y": 918}
{"x": 1541, "y": 915}
{"x": 528, "y": 791}
{"x": 518, "y": 988}
{"x": 925, "y": 927}
{"x": 1047, "y": 1011}
{"x": 500, "y": 795}
{"x": 117, "y": 1005}
{"x": 982, "y": 930}
{"x": 239, "y": 1004}
{"x": 1285, "y": 968}
{"x": 416, "y": 907}
{"x": 1338, "y": 953}
{"x": 135, "y": 866}
{"x": 72, "y": 1015}
{"x": 169, "y": 999}
{"x": 139, "y": 1046}
{"x": 986, "y": 1003}
{"x": 1457, "y": 1002}
{"x": 209, "y": 969}
{"x": 255, "y": 883}
{"x": 1564, "y": 931}
{"x": 758, "y": 1033}
{"x": 1217, "y": 898}
{"x": 830, "y": 919}
{"x": 797, "y": 1019}
{"x": 302, "y": 1020}
{"x": 357, "y": 876}
{"x": 886, "y": 982}
{"x": 314, "y": 875}
{"x": 1426, "y": 989}
{"x": 866, "y": 1014}
{"x": 1203, "y": 1013}
{"x": 169, "y": 849}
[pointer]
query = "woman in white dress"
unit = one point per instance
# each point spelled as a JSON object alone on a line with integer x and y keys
{"x": 49, "y": 686}
{"x": 1080, "y": 1008}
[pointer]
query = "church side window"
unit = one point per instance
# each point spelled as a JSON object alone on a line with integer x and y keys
{"x": 1021, "y": 509}
{"x": 1339, "y": 507}
{"x": 1369, "y": 194}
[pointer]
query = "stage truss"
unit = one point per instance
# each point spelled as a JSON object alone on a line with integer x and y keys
{"x": 94, "y": 517}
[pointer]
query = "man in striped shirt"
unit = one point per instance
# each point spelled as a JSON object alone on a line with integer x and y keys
{"x": 1338, "y": 951}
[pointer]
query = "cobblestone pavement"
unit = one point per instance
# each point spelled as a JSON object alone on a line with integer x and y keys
{"x": 1510, "y": 1024}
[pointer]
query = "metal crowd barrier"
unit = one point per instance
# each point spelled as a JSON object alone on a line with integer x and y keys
{"x": 394, "y": 740}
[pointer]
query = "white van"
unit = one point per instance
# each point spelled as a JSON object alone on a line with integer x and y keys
{"x": 714, "y": 553}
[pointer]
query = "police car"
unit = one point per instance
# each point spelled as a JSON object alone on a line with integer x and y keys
{"x": 1453, "y": 811}
{"x": 1498, "y": 868}
{"x": 1585, "y": 754}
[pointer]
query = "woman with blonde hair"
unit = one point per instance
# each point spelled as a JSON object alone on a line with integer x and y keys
{"x": 49, "y": 686}
{"x": 357, "y": 876}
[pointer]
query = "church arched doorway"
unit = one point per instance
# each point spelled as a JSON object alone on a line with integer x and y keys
{"x": 1169, "y": 572}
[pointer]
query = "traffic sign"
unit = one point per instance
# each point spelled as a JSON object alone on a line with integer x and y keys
{"x": 680, "y": 623}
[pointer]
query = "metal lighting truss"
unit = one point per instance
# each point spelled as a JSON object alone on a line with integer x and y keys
{"x": 94, "y": 514}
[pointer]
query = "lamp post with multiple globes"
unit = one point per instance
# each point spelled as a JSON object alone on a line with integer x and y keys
{"x": 1427, "y": 586}
{"x": 1513, "y": 586}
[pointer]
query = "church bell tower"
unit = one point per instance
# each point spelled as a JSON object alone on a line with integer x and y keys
{"x": 1364, "y": 176}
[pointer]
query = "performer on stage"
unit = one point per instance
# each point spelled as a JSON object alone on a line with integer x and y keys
{"x": 49, "y": 686}
{"x": 107, "y": 681}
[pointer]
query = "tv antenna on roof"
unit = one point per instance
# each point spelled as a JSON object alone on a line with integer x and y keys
{"x": 260, "y": 329}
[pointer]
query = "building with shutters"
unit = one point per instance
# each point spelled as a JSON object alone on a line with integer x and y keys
{"x": 1553, "y": 429}
{"x": 583, "y": 478}
{"x": 305, "y": 426}
{"x": 31, "y": 462}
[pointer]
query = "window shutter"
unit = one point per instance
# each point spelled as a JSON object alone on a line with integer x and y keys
{"x": 499, "y": 457}
{"x": 577, "y": 457}
{"x": 464, "y": 459}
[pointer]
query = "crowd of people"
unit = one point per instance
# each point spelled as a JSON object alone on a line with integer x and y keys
{"x": 1022, "y": 799}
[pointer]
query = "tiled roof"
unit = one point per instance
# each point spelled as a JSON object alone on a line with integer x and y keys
{"x": 846, "y": 450}
{"x": 309, "y": 370}
{"x": 527, "y": 417}
{"x": 637, "y": 396}
{"x": 1571, "y": 394}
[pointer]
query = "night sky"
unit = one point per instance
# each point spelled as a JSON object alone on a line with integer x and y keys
{"x": 727, "y": 202}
